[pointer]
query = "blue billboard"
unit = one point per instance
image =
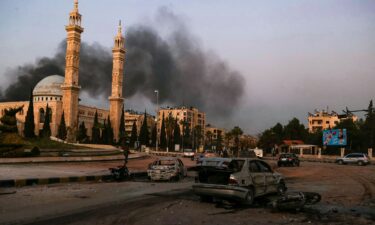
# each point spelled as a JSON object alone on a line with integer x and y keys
{"x": 336, "y": 137}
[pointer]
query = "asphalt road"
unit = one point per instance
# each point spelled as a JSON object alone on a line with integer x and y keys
{"x": 348, "y": 197}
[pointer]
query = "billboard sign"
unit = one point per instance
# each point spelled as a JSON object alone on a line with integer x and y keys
{"x": 335, "y": 137}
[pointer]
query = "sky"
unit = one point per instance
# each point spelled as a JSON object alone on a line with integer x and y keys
{"x": 295, "y": 56}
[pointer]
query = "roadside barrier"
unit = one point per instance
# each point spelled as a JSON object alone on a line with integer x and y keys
{"x": 55, "y": 180}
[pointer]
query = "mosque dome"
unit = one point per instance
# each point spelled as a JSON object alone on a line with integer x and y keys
{"x": 49, "y": 86}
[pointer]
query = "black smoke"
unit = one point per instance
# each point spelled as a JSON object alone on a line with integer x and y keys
{"x": 176, "y": 66}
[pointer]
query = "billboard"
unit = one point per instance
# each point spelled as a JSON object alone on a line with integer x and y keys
{"x": 335, "y": 137}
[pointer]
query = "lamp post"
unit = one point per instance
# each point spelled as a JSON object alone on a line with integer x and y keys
{"x": 157, "y": 112}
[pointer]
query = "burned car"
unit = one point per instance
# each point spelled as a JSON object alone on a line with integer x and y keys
{"x": 166, "y": 168}
{"x": 240, "y": 180}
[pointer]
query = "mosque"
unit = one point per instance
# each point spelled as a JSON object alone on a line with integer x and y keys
{"x": 61, "y": 93}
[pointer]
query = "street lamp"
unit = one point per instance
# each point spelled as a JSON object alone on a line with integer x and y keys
{"x": 157, "y": 112}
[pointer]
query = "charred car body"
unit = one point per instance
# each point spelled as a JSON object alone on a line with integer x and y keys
{"x": 166, "y": 168}
{"x": 239, "y": 179}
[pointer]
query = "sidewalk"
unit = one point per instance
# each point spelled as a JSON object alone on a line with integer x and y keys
{"x": 17, "y": 172}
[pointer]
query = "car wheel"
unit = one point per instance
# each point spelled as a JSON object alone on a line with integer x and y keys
{"x": 279, "y": 164}
{"x": 249, "y": 199}
{"x": 281, "y": 188}
{"x": 360, "y": 163}
{"x": 340, "y": 162}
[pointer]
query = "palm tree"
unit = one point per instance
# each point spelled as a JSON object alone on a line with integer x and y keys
{"x": 236, "y": 132}
{"x": 209, "y": 135}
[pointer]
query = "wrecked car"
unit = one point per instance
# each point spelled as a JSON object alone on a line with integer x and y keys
{"x": 166, "y": 168}
{"x": 288, "y": 159}
{"x": 239, "y": 179}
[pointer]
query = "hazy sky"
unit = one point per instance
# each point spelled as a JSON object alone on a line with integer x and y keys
{"x": 296, "y": 56}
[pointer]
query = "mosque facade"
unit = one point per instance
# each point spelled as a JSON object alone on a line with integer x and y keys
{"x": 61, "y": 93}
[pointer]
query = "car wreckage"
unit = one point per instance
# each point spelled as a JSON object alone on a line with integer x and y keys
{"x": 166, "y": 168}
{"x": 237, "y": 179}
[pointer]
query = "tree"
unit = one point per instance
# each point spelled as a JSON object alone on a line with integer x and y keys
{"x": 354, "y": 135}
{"x": 186, "y": 140}
{"x": 163, "y": 135}
{"x": 61, "y": 132}
{"x": 46, "y": 132}
{"x": 153, "y": 136}
{"x": 219, "y": 141}
{"x": 208, "y": 141}
{"x": 144, "y": 137}
{"x": 236, "y": 132}
{"x": 197, "y": 136}
{"x": 176, "y": 133}
{"x": 122, "y": 132}
{"x": 295, "y": 131}
{"x": 29, "y": 131}
{"x": 95, "y": 134}
{"x": 134, "y": 136}
{"x": 104, "y": 135}
{"x": 82, "y": 133}
{"x": 369, "y": 127}
{"x": 8, "y": 120}
{"x": 169, "y": 125}
{"x": 110, "y": 131}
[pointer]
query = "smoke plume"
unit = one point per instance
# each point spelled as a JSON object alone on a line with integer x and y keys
{"x": 176, "y": 66}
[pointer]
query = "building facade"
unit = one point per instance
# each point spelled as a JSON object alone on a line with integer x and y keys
{"x": 132, "y": 116}
{"x": 322, "y": 120}
{"x": 191, "y": 116}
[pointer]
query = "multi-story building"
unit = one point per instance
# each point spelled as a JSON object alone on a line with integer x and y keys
{"x": 322, "y": 120}
{"x": 191, "y": 116}
{"x": 132, "y": 116}
{"x": 212, "y": 134}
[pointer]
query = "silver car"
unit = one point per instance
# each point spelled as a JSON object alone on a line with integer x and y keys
{"x": 241, "y": 179}
{"x": 354, "y": 158}
{"x": 166, "y": 168}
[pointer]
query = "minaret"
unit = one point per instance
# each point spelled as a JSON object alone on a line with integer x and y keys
{"x": 70, "y": 87}
{"x": 116, "y": 99}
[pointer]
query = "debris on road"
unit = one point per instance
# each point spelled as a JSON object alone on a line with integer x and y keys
{"x": 295, "y": 200}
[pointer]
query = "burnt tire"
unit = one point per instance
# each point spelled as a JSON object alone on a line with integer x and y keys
{"x": 249, "y": 198}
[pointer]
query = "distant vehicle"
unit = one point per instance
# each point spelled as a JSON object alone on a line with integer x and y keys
{"x": 206, "y": 154}
{"x": 258, "y": 152}
{"x": 167, "y": 168}
{"x": 354, "y": 158}
{"x": 189, "y": 153}
{"x": 288, "y": 159}
{"x": 210, "y": 153}
{"x": 237, "y": 179}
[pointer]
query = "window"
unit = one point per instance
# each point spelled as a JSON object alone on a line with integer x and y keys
{"x": 264, "y": 167}
{"x": 253, "y": 167}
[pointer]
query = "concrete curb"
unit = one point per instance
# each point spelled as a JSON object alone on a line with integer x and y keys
{"x": 55, "y": 180}
{"x": 66, "y": 159}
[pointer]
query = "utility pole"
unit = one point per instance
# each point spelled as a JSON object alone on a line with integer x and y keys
{"x": 157, "y": 113}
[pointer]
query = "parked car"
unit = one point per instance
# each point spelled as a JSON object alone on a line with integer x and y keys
{"x": 354, "y": 158}
{"x": 237, "y": 179}
{"x": 288, "y": 159}
{"x": 189, "y": 153}
{"x": 166, "y": 168}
